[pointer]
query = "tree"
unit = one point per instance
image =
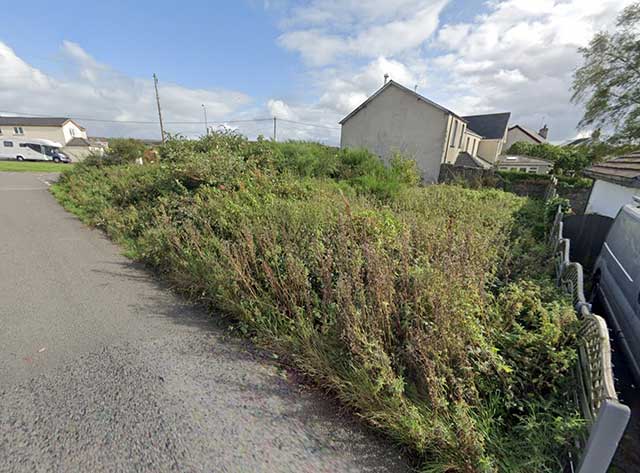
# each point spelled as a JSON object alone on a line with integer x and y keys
{"x": 608, "y": 82}
{"x": 125, "y": 149}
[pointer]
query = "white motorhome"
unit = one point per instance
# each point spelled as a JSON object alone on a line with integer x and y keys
{"x": 32, "y": 150}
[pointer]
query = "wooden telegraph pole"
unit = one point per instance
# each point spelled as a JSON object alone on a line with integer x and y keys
{"x": 155, "y": 83}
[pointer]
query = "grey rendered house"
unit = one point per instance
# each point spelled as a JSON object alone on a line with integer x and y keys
{"x": 396, "y": 119}
{"x": 518, "y": 133}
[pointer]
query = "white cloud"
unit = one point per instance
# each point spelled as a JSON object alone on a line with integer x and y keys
{"x": 516, "y": 55}
{"x": 326, "y": 30}
{"x": 520, "y": 55}
{"x": 96, "y": 91}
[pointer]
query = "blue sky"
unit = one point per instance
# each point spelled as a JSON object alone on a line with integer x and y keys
{"x": 308, "y": 61}
{"x": 199, "y": 44}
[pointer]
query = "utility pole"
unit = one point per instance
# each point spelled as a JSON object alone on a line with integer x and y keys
{"x": 155, "y": 83}
{"x": 275, "y": 129}
{"x": 206, "y": 126}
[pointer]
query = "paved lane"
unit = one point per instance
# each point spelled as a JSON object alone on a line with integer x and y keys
{"x": 102, "y": 369}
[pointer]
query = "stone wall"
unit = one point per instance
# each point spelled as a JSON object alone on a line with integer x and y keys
{"x": 578, "y": 197}
{"x": 536, "y": 187}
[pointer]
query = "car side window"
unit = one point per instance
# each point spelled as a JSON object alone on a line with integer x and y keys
{"x": 8, "y": 144}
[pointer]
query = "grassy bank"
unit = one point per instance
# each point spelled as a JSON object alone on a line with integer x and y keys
{"x": 427, "y": 310}
{"x": 22, "y": 166}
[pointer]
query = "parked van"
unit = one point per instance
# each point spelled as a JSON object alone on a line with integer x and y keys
{"x": 617, "y": 281}
{"x": 32, "y": 150}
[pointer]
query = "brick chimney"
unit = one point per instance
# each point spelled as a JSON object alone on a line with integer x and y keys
{"x": 544, "y": 131}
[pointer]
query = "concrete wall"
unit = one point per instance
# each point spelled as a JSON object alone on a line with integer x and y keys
{"x": 515, "y": 135}
{"x": 58, "y": 134}
{"x": 607, "y": 198}
{"x": 396, "y": 121}
{"x": 489, "y": 150}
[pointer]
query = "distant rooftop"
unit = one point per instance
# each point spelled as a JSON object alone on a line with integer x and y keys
{"x": 532, "y": 134}
{"x": 33, "y": 121}
{"x": 522, "y": 160}
{"x": 624, "y": 170}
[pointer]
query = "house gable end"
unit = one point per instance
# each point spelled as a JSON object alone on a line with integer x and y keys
{"x": 385, "y": 87}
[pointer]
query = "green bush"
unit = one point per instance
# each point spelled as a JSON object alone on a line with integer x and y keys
{"x": 120, "y": 151}
{"x": 427, "y": 310}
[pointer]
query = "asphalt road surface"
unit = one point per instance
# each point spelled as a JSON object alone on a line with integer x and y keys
{"x": 103, "y": 369}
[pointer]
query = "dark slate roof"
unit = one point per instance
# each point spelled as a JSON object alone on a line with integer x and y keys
{"x": 522, "y": 161}
{"x": 78, "y": 142}
{"x": 491, "y": 126}
{"x": 33, "y": 121}
{"x": 532, "y": 134}
{"x": 36, "y": 121}
{"x": 624, "y": 170}
{"x": 392, "y": 83}
{"x": 465, "y": 160}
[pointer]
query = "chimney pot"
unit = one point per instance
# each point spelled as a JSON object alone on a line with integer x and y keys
{"x": 386, "y": 78}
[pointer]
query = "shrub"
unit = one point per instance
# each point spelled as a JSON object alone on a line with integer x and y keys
{"x": 428, "y": 310}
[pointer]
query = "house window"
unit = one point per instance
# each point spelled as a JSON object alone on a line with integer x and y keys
{"x": 455, "y": 133}
{"x": 461, "y": 136}
{"x": 72, "y": 131}
{"x": 467, "y": 147}
{"x": 8, "y": 144}
{"x": 17, "y": 130}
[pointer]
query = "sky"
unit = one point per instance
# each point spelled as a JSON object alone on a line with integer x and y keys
{"x": 308, "y": 63}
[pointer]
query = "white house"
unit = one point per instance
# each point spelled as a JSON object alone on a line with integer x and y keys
{"x": 60, "y": 130}
{"x": 519, "y": 133}
{"x": 526, "y": 164}
{"x": 617, "y": 181}
{"x": 396, "y": 119}
{"x": 70, "y": 135}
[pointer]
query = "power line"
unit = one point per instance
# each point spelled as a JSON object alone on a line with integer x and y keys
{"x": 310, "y": 124}
{"x": 137, "y": 122}
{"x": 186, "y": 122}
